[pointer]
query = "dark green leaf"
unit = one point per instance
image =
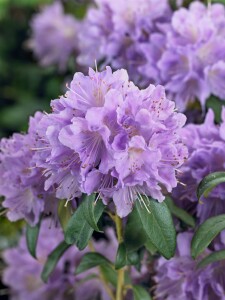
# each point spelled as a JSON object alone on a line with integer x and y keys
{"x": 134, "y": 235}
{"x": 121, "y": 257}
{"x": 91, "y": 210}
{"x": 180, "y": 213}
{"x": 133, "y": 258}
{"x": 10, "y": 232}
{"x": 109, "y": 274}
{"x": 32, "y": 237}
{"x": 53, "y": 259}
{"x": 173, "y": 4}
{"x": 64, "y": 213}
{"x": 140, "y": 293}
{"x": 150, "y": 247}
{"x": 78, "y": 230}
{"x": 206, "y": 233}
{"x": 88, "y": 277}
{"x": 218, "y": 1}
{"x": 213, "y": 257}
{"x": 91, "y": 260}
{"x": 209, "y": 182}
{"x": 158, "y": 225}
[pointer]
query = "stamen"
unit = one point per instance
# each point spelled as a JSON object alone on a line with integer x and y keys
{"x": 84, "y": 100}
{"x": 143, "y": 201}
{"x": 181, "y": 183}
{"x": 66, "y": 202}
{"x": 96, "y": 200}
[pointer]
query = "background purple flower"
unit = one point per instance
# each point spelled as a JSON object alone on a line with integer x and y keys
{"x": 115, "y": 31}
{"x": 192, "y": 62}
{"x": 22, "y": 273}
{"x": 180, "y": 278}
{"x": 206, "y": 155}
{"x": 54, "y": 35}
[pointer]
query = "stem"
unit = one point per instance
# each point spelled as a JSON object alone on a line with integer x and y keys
{"x": 106, "y": 286}
{"x": 101, "y": 276}
{"x": 120, "y": 279}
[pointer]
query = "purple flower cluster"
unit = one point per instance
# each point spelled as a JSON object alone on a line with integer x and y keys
{"x": 54, "y": 35}
{"x": 205, "y": 143}
{"x": 22, "y": 184}
{"x": 108, "y": 137}
{"x": 192, "y": 60}
{"x": 115, "y": 32}
{"x": 23, "y": 273}
{"x": 179, "y": 277}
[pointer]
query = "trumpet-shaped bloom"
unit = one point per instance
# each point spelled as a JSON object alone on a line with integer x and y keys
{"x": 111, "y": 138}
{"x": 22, "y": 183}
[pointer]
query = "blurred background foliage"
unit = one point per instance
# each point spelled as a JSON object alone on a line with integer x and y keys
{"x": 26, "y": 87}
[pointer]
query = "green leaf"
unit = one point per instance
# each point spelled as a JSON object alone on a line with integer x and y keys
{"x": 91, "y": 260}
{"x": 180, "y": 213}
{"x": 133, "y": 258}
{"x": 209, "y": 182}
{"x": 109, "y": 274}
{"x": 173, "y": 4}
{"x": 78, "y": 230}
{"x": 150, "y": 247}
{"x": 134, "y": 235}
{"x": 32, "y": 238}
{"x": 140, "y": 293}
{"x": 91, "y": 210}
{"x": 121, "y": 257}
{"x": 158, "y": 225}
{"x": 218, "y": 1}
{"x": 206, "y": 233}
{"x": 53, "y": 259}
{"x": 64, "y": 213}
{"x": 213, "y": 257}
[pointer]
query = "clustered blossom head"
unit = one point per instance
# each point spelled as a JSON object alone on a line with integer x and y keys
{"x": 192, "y": 61}
{"x": 108, "y": 137}
{"x": 23, "y": 273}
{"x": 22, "y": 184}
{"x": 206, "y": 145}
{"x": 115, "y": 31}
{"x": 180, "y": 278}
{"x": 54, "y": 35}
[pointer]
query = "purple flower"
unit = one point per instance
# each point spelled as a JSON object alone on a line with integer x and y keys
{"x": 60, "y": 164}
{"x": 206, "y": 155}
{"x": 179, "y": 277}
{"x": 54, "y": 35}
{"x": 115, "y": 31}
{"x": 192, "y": 62}
{"x": 22, "y": 183}
{"x": 111, "y": 138}
{"x": 23, "y": 272}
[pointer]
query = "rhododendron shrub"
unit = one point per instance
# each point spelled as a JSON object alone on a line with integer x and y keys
{"x": 122, "y": 197}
